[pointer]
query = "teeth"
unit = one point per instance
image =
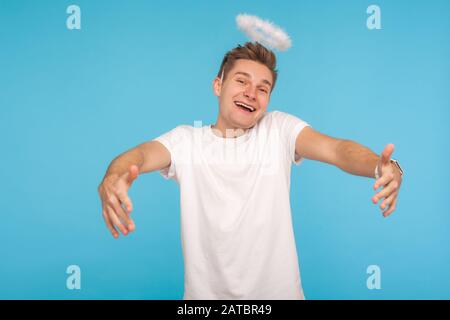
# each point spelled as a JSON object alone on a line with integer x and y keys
{"x": 245, "y": 106}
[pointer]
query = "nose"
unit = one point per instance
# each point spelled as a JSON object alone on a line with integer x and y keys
{"x": 250, "y": 93}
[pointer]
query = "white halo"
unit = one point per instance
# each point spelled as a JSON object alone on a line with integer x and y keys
{"x": 263, "y": 31}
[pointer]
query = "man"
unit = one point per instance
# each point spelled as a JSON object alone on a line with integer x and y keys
{"x": 234, "y": 178}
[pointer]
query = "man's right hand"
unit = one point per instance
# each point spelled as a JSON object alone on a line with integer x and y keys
{"x": 116, "y": 204}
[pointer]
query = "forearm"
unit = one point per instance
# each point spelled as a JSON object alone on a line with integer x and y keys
{"x": 356, "y": 159}
{"x": 122, "y": 163}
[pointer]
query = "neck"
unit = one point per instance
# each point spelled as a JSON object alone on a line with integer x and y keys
{"x": 227, "y": 130}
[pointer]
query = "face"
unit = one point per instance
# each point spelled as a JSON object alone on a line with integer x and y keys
{"x": 244, "y": 95}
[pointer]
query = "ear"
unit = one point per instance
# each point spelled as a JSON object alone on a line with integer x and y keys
{"x": 217, "y": 86}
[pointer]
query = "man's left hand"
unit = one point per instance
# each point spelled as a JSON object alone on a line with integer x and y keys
{"x": 390, "y": 179}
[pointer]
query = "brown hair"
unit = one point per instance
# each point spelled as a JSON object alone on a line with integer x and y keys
{"x": 251, "y": 51}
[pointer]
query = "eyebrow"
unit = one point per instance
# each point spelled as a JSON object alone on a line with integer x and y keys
{"x": 248, "y": 75}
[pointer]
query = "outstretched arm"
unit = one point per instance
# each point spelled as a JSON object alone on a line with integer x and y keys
{"x": 123, "y": 170}
{"x": 355, "y": 159}
{"x": 359, "y": 160}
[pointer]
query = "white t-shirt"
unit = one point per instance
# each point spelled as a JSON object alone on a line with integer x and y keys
{"x": 236, "y": 224}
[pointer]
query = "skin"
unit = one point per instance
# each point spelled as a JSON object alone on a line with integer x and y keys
{"x": 390, "y": 179}
{"x": 116, "y": 204}
{"x": 253, "y": 89}
{"x": 249, "y": 82}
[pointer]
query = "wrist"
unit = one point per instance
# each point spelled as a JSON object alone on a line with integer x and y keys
{"x": 395, "y": 165}
{"x": 110, "y": 176}
{"x": 377, "y": 173}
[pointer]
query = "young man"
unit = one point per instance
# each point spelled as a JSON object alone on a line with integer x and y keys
{"x": 234, "y": 179}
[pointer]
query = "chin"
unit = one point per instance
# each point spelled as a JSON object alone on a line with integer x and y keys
{"x": 242, "y": 123}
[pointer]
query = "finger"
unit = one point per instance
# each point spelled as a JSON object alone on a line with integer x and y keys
{"x": 388, "y": 200}
{"x": 127, "y": 207}
{"x": 109, "y": 225}
{"x": 387, "y": 190}
{"x": 386, "y": 154}
{"x": 126, "y": 201}
{"x": 384, "y": 180}
{"x": 123, "y": 216}
{"x": 391, "y": 208}
{"x": 116, "y": 221}
{"x": 133, "y": 173}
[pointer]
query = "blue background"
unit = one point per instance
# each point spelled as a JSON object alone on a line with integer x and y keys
{"x": 72, "y": 100}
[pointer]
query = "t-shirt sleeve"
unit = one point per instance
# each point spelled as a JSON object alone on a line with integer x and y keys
{"x": 173, "y": 141}
{"x": 290, "y": 127}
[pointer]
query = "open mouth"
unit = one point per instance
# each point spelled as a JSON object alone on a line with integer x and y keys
{"x": 244, "y": 107}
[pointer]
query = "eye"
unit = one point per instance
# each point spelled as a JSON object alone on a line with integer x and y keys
{"x": 240, "y": 81}
{"x": 263, "y": 90}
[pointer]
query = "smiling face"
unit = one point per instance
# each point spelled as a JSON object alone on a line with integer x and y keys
{"x": 244, "y": 95}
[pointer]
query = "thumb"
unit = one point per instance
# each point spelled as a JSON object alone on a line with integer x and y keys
{"x": 133, "y": 173}
{"x": 386, "y": 154}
